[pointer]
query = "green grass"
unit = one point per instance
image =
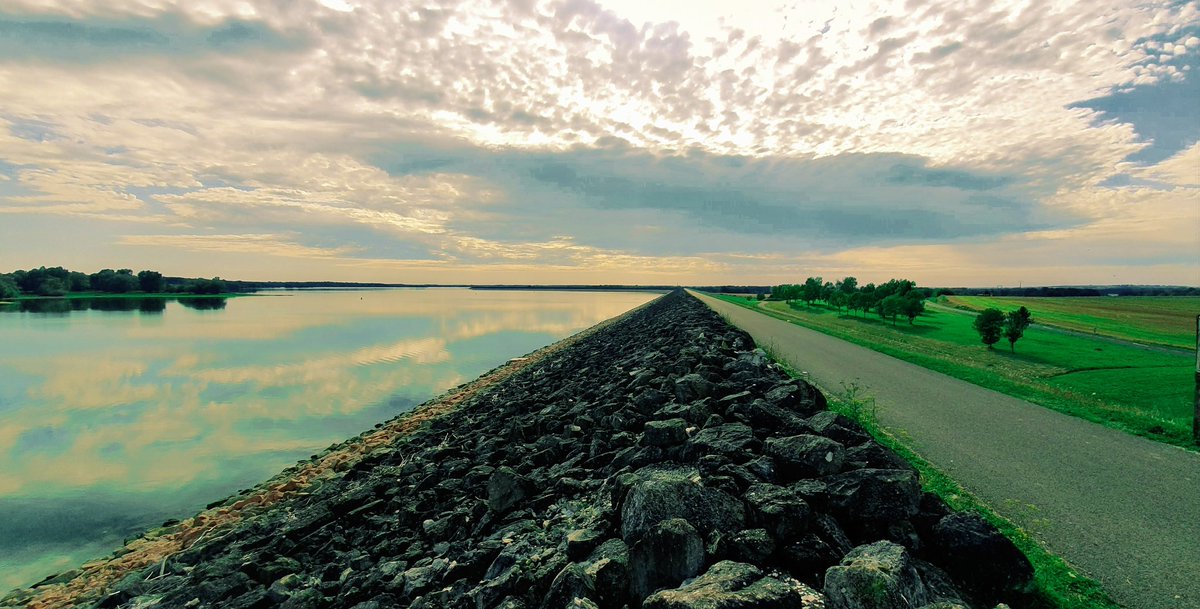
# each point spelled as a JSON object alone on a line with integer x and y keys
{"x": 1147, "y": 392}
{"x": 1156, "y": 320}
{"x": 1057, "y": 585}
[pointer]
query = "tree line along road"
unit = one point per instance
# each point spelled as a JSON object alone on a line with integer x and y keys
{"x": 1122, "y": 509}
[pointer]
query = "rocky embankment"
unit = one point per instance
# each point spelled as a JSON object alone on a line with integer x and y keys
{"x": 661, "y": 463}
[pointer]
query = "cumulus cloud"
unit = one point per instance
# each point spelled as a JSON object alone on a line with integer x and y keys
{"x": 469, "y": 132}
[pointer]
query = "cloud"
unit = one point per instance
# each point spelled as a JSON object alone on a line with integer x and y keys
{"x": 60, "y": 38}
{"x": 268, "y": 245}
{"x": 459, "y": 134}
{"x": 1164, "y": 113}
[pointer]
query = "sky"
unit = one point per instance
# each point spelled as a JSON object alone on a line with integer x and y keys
{"x": 954, "y": 143}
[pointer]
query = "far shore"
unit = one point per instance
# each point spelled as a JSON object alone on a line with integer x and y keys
{"x": 93, "y": 295}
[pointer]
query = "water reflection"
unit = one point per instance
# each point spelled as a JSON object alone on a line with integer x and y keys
{"x": 62, "y": 306}
{"x": 179, "y": 403}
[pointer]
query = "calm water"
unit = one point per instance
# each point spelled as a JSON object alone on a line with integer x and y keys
{"x": 115, "y": 416}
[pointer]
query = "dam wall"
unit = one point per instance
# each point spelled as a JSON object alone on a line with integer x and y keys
{"x": 659, "y": 462}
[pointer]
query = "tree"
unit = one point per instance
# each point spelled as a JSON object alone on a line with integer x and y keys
{"x": 1014, "y": 326}
{"x": 892, "y": 306}
{"x": 860, "y": 301}
{"x": 849, "y": 285}
{"x": 839, "y": 299}
{"x": 51, "y": 286}
{"x": 150, "y": 281}
{"x": 79, "y": 282}
{"x": 914, "y": 305}
{"x": 785, "y": 292}
{"x": 8, "y": 287}
{"x": 812, "y": 289}
{"x": 990, "y": 324}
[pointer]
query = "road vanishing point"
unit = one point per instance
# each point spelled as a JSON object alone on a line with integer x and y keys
{"x": 1123, "y": 510}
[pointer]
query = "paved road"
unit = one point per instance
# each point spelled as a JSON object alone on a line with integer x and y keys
{"x": 1124, "y": 510}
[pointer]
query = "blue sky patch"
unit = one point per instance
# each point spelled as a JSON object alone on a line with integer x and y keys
{"x": 1165, "y": 115}
{"x": 62, "y": 39}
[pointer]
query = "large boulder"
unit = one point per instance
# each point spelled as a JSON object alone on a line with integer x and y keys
{"x": 805, "y": 456}
{"x": 874, "y": 495}
{"x": 733, "y": 440}
{"x": 691, "y": 387}
{"x": 669, "y": 553}
{"x": 733, "y": 585}
{"x": 507, "y": 488}
{"x": 665, "y": 433}
{"x": 972, "y": 550}
{"x": 875, "y": 576}
{"x": 608, "y": 570}
{"x": 570, "y": 583}
{"x": 798, "y": 396}
{"x": 664, "y": 492}
{"x": 838, "y": 427}
{"x": 765, "y": 416}
{"x": 778, "y": 510}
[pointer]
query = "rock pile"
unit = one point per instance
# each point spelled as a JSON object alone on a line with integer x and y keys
{"x": 661, "y": 463}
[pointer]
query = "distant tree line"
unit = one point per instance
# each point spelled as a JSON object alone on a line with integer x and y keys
{"x": 890, "y": 300}
{"x": 1076, "y": 291}
{"x": 57, "y": 281}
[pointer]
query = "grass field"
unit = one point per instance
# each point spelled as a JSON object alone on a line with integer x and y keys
{"x": 1157, "y": 320}
{"x": 1143, "y": 391}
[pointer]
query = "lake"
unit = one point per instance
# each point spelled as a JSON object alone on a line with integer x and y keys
{"x": 118, "y": 414}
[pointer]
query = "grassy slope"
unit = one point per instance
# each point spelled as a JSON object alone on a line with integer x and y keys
{"x": 1141, "y": 391}
{"x": 1057, "y": 584}
{"x": 1158, "y": 320}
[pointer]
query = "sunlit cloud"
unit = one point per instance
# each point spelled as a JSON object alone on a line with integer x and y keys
{"x": 558, "y": 141}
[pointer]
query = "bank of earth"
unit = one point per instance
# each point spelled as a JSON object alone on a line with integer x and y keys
{"x": 660, "y": 462}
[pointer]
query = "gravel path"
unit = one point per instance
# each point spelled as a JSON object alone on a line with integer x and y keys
{"x": 1124, "y": 510}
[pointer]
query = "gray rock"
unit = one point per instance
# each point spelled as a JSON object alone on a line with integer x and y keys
{"x": 982, "y": 558}
{"x": 664, "y": 492}
{"x": 777, "y": 509}
{"x": 875, "y": 576}
{"x": 608, "y": 569}
{"x": 733, "y": 585}
{"x": 419, "y": 580}
{"x": 667, "y": 554}
{"x": 735, "y": 440}
{"x": 752, "y": 546}
{"x": 650, "y": 400}
{"x": 798, "y": 396}
{"x": 874, "y": 495}
{"x": 581, "y": 542}
{"x": 506, "y": 488}
{"x": 570, "y": 583}
{"x": 691, "y": 387}
{"x": 665, "y": 433}
{"x": 838, "y": 427}
{"x": 872, "y": 455}
{"x": 805, "y": 456}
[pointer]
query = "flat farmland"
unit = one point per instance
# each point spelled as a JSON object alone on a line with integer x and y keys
{"x": 1155, "y": 320}
{"x": 1142, "y": 390}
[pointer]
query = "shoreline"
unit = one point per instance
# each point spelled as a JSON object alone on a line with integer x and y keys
{"x": 156, "y": 545}
{"x": 127, "y": 295}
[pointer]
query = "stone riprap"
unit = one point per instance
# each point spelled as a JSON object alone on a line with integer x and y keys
{"x": 662, "y": 462}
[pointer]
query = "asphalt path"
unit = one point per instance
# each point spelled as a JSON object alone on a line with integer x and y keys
{"x": 1121, "y": 509}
